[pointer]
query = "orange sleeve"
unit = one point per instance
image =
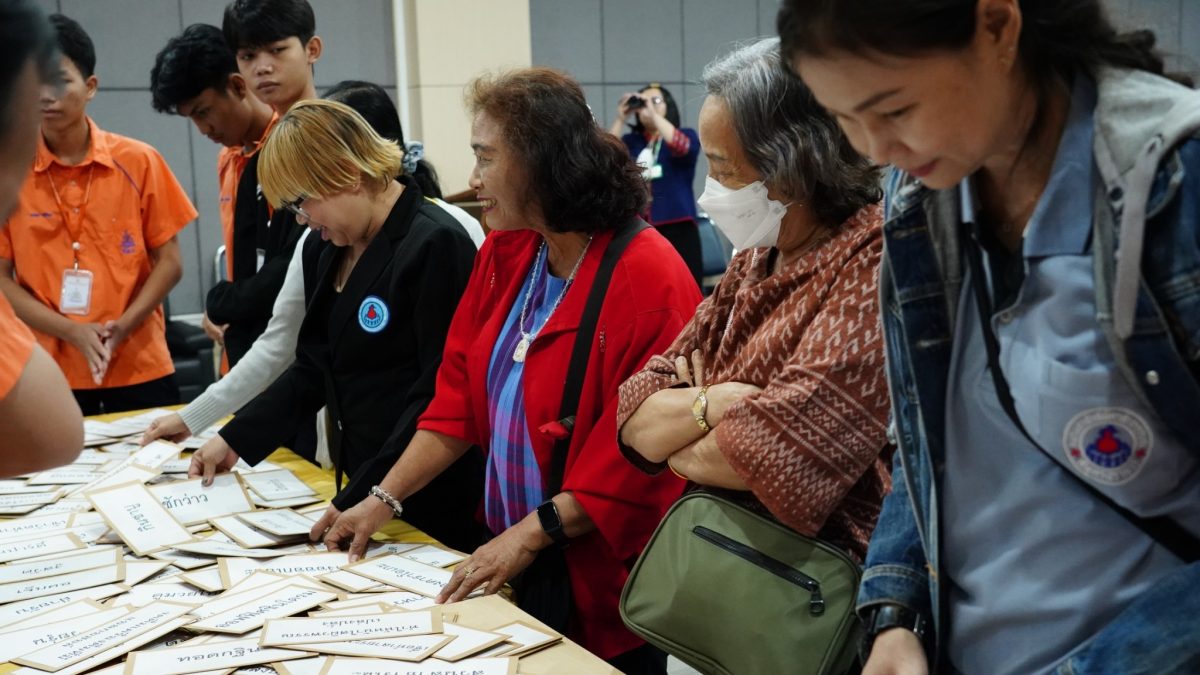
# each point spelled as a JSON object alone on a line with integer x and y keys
{"x": 16, "y": 346}
{"x": 6, "y": 247}
{"x": 166, "y": 208}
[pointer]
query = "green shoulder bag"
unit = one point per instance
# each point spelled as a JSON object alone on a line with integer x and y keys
{"x": 729, "y": 591}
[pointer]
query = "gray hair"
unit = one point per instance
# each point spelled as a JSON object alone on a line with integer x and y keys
{"x": 791, "y": 141}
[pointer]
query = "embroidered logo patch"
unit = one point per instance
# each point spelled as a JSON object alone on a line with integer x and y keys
{"x": 127, "y": 244}
{"x": 372, "y": 314}
{"x": 1108, "y": 445}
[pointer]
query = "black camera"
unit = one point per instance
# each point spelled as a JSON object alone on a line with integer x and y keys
{"x": 635, "y": 102}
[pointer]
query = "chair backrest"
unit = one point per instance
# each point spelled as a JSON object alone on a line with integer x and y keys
{"x": 220, "y": 270}
{"x": 716, "y": 252}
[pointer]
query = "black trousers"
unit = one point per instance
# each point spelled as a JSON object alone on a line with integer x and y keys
{"x": 160, "y": 392}
{"x": 685, "y": 237}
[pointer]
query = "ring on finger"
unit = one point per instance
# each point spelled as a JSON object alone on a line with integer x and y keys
{"x": 469, "y": 572}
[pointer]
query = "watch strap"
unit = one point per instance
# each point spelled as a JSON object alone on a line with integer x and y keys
{"x": 887, "y": 616}
{"x": 551, "y": 523}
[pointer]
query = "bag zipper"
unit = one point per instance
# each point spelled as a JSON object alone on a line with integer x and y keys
{"x": 816, "y": 603}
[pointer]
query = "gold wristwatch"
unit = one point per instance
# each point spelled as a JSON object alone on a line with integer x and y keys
{"x": 700, "y": 409}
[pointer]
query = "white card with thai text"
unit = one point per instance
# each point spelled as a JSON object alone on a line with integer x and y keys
{"x": 25, "y": 590}
{"x": 222, "y": 549}
{"x": 25, "y": 609}
{"x": 286, "y": 601}
{"x": 278, "y": 484}
{"x": 191, "y": 503}
{"x": 349, "y": 666}
{"x": 38, "y": 546}
{"x": 92, "y": 642}
{"x": 406, "y": 600}
{"x": 411, "y": 648}
{"x": 403, "y": 573}
{"x": 303, "y": 631}
{"x": 246, "y": 536}
{"x": 24, "y": 641}
{"x": 311, "y": 564}
{"x": 78, "y": 562}
{"x": 467, "y": 641}
{"x": 140, "y": 519}
{"x": 214, "y": 656}
{"x": 279, "y": 522}
{"x": 435, "y": 556}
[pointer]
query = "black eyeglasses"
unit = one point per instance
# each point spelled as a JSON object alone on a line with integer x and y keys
{"x": 302, "y": 216}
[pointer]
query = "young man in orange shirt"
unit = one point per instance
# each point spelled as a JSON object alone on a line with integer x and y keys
{"x": 196, "y": 75}
{"x": 92, "y": 244}
{"x": 276, "y": 45}
{"x": 40, "y": 423}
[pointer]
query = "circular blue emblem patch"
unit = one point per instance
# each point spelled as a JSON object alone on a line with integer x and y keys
{"x": 372, "y": 314}
{"x": 1108, "y": 445}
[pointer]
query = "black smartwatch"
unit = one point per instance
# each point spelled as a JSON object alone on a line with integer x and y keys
{"x": 552, "y": 523}
{"x": 883, "y": 617}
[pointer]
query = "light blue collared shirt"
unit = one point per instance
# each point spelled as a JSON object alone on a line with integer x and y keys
{"x": 1033, "y": 563}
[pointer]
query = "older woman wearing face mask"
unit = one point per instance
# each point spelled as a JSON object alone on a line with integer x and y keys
{"x": 775, "y": 389}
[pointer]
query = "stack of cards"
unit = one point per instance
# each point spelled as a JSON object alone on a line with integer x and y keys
{"x": 119, "y": 557}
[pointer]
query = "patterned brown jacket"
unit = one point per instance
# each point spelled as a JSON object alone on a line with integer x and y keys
{"x": 811, "y": 445}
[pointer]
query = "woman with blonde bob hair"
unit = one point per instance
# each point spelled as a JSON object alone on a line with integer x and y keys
{"x": 381, "y": 284}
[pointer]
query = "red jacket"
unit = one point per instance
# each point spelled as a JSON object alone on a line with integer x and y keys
{"x": 650, "y": 298}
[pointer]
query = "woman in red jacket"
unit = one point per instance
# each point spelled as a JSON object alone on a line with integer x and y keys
{"x": 555, "y": 187}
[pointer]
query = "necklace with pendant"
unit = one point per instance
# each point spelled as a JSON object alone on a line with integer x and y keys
{"x": 522, "y": 347}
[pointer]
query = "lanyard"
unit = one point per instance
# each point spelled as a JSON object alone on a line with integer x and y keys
{"x": 87, "y": 194}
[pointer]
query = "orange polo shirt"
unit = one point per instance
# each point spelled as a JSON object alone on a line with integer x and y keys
{"x": 16, "y": 346}
{"x": 134, "y": 204}
{"x": 230, "y": 164}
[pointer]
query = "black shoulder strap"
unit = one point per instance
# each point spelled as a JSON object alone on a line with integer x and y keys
{"x": 577, "y": 367}
{"x": 1169, "y": 534}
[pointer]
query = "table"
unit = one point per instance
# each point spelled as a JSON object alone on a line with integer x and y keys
{"x": 480, "y": 612}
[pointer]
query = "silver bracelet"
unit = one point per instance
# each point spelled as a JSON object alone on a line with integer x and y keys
{"x": 387, "y": 499}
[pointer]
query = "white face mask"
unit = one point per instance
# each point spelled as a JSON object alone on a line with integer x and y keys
{"x": 746, "y": 216}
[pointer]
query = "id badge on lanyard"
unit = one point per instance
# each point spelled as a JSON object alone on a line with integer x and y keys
{"x": 76, "y": 297}
{"x": 76, "y": 294}
{"x": 647, "y": 159}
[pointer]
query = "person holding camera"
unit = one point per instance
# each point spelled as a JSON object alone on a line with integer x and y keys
{"x": 667, "y": 154}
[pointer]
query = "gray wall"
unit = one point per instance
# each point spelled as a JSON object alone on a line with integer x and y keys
{"x": 128, "y": 33}
{"x": 613, "y": 46}
{"x": 1176, "y": 23}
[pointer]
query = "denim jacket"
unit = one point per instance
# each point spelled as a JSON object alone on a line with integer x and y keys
{"x": 1148, "y": 157}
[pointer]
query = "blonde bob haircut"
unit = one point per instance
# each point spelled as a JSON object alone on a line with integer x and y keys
{"x": 322, "y": 148}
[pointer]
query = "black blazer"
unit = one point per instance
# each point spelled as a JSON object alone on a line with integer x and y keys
{"x": 371, "y": 354}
